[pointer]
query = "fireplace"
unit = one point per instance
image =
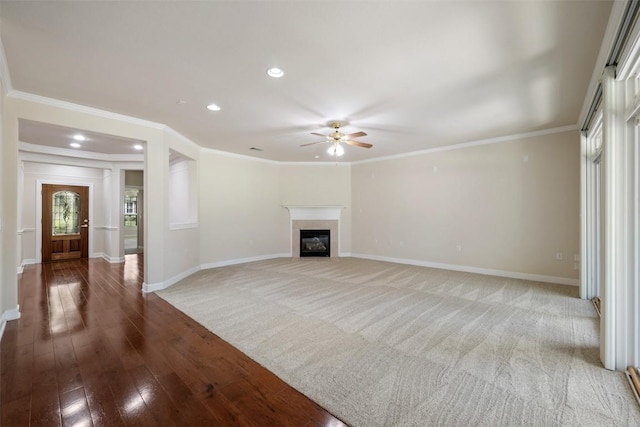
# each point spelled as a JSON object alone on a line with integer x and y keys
{"x": 315, "y": 243}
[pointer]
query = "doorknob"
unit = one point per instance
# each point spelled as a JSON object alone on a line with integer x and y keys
{"x": 86, "y": 224}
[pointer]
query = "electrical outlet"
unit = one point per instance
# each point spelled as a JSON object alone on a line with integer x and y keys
{"x": 559, "y": 256}
{"x": 459, "y": 248}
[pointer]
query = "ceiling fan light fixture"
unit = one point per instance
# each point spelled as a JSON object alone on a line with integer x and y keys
{"x": 275, "y": 72}
{"x": 336, "y": 150}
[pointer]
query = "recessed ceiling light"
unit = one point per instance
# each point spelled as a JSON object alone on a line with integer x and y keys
{"x": 79, "y": 137}
{"x": 275, "y": 72}
{"x": 75, "y": 145}
{"x": 138, "y": 147}
{"x": 213, "y": 107}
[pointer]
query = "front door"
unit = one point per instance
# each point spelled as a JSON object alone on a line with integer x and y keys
{"x": 65, "y": 222}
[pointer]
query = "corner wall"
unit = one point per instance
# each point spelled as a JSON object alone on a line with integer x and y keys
{"x": 241, "y": 215}
{"x": 506, "y": 208}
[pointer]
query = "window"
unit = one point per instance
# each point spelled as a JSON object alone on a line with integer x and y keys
{"x": 65, "y": 213}
{"x": 131, "y": 208}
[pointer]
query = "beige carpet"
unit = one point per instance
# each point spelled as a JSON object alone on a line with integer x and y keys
{"x": 382, "y": 344}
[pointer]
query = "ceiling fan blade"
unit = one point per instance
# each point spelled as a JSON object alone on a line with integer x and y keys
{"x": 355, "y": 135}
{"x": 319, "y": 134}
{"x": 314, "y": 143}
{"x": 357, "y": 144}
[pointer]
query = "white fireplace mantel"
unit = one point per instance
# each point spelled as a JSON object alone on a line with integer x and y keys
{"x": 314, "y": 212}
{"x": 313, "y": 216}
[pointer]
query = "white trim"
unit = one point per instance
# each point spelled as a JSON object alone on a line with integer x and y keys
{"x": 106, "y": 227}
{"x": 26, "y": 156}
{"x": 243, "y": 260}
{"x": 154, "y": 125}
{"x": 28, "y": 261}
{"x": 617, "y": 12}
{"x": 315, "y": 213}
{"x": 109, "y": 259}
{"x": 463, "y": 145}
{"x": 153, "y": 287}
{"x": 5, "y": 76}
{"x": 8, "y": 315}
{"x": 26, "y": 230}
{"x": 78, "y": 154}
{"x": 239, "y": 156}
{"x": 181, "y": 137}
{"x": 83, "y": 109}
{"x": 628, "y": 63}
{"x": 183, "y": 226}
{"x": 613, "y": 191}
{"x": 319, "y": 213}
{"x": 318, "y": 163}
{"x": 476, "y": 270}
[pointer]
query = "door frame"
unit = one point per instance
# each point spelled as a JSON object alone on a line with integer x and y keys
{"x": 38, "y": 239}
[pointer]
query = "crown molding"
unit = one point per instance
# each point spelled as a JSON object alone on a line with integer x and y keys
{"x": 463, "y": 145}
{"x": 159, "y": 126}
{"x": 239, "y": 156}
{"x": 16, "y": 94}
{"x": 5, "y": 77}
{"x": 181, "y": 137}
{"x": 321, "y": 163}
{"x": 77, "y": 154}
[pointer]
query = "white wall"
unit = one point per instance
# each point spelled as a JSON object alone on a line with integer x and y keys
{"x": 51, "y": 173}
{"x": 74, "y": 116}
{"x": 509, "y": 206}
{"x": 9, "y": 218}
{"x": 241, "y": 216}
{"x": 325, "y": 184}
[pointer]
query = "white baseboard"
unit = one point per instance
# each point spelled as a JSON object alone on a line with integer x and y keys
{"x": 242, "y": 260}
{"x": 109, "y": 259}
{"x": 153, "y": 287}
{"x": 25, "y": 262}
{"x": 477, "y": 270}
{"x": 12, "y": 314}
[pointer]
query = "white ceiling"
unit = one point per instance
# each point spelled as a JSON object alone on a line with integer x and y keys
{"x": 413, "y": 75}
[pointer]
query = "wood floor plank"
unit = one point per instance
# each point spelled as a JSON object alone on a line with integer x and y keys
{"x": 74, "y": 408}
{"x": 91, "y": 349}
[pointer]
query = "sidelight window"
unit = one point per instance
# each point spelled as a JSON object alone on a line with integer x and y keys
{"x": 131, "y": 208}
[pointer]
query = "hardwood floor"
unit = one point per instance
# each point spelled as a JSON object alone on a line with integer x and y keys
{"x": 91, "y": 349}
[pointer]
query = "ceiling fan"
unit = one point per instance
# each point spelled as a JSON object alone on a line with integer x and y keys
{"x": 336, "y": 137}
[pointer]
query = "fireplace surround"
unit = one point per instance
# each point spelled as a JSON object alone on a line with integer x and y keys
{"x": 315, "y": 218}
